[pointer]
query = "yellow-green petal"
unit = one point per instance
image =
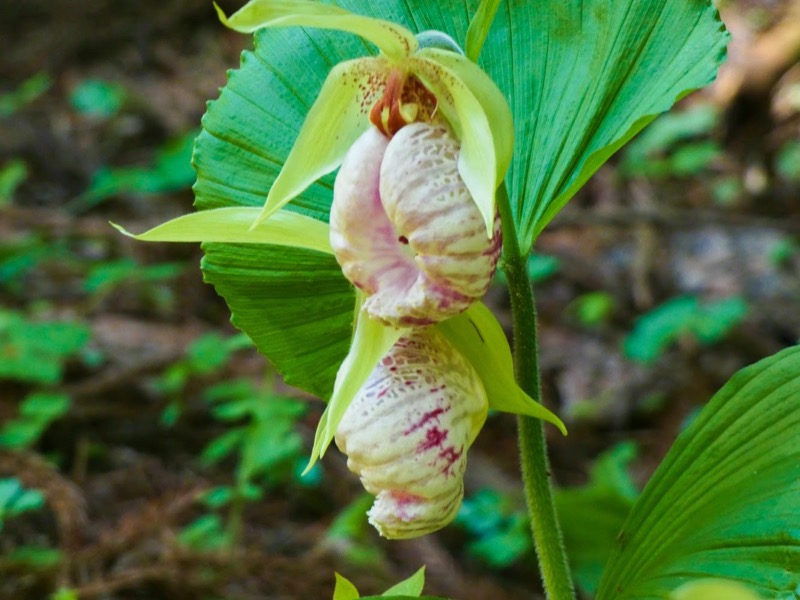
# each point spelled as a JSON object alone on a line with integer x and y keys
{"x": 371, "y": 342}
{"x": 480, "y": 338}
{"x": 339, "y": 115}
{"x": 477, "y": 159}
{"x": 491, "y": 98}
{"x": 392, "y": 39}
{"x": 233, "y": 225}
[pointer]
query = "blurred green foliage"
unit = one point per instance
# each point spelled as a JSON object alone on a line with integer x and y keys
{"x": 28, "y": 91}
{"x": 707, "y": 322}
{"x": 260, "y": 433}
{"x": 106, "y": 276}
{"x": 592, "y": 309}
{"x": 266, "y": 442}
{"x": 97, "y": 98}
{"x": 12, "y": 175}
{"x": 674, "y": 145}
{"x": 35, "y": 352}
{"x": 15, "y": 499}
{"x": 36, "y": 413}
{"x": 352, "y": 536}
{"x": 170, "y": 171}
{"x": 788, "y": 161}
{"x": 498, "y": 525}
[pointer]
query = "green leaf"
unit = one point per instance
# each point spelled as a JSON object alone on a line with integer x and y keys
{"x": 410, "y": 587}
{"x": 33, "y": 558}
{"x": 171, "y": 170}
{"x": 295, "y": 304}
{"x": 108, "y": 275}
{"x": 207, "y": 533}
{"x": 14, "y": 499}
{"x": 642, "y": 154}
{"x": 583, "y": 77}
{"x": 21, "y": 433}
{"x": 351, "y": 522}
{"x": 499, "y": 524}
{"x": 222, "y": 446}
{"x": 724, "y": 502}
{"x": 403, "y": 598}
{"x": 344, "y": 590}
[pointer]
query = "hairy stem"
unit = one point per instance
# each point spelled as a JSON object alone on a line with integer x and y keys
{"x": 547, "y": 537}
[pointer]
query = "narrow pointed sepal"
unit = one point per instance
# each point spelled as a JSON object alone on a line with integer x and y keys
{"x": 371, "y": 342}
{"x": 480, "y": 338}
{"x": 233, "y": 225}
{"x": 392, "y": 39}
{"x": 337, "y": 118}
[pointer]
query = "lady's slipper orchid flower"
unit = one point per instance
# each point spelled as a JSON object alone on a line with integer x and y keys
{"x": 404, "y": 83}
{"x": 407, "y": 432}
{"x": 423, "y": 138}
{"x": 405, "y": 230}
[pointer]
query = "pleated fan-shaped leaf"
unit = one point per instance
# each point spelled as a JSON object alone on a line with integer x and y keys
{"x": 581, "y": 76}
{"x": 725, "y": 502}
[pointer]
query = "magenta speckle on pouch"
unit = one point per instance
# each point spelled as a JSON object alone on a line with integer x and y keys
{"x": 450, "y": 456}
{"x": 403, "y": 501}
{"x": 433, "y": 437}
{"x": 432, "y": 414}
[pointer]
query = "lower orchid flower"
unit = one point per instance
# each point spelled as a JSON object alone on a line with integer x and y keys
{"x": 407, "y": 431}
{"x": 414, "y": 226}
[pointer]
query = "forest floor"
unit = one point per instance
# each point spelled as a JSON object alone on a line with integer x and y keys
{"x": 129, "y": 473}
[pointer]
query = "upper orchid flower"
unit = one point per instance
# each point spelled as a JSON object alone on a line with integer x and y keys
{"x": 404, "y": 83}
{"x": 413, "y": 221}
{"x": 423, "y": 138}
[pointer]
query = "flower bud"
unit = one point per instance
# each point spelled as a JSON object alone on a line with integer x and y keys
{"x": 407, "y": 432}
{"x": 406, "y": 230}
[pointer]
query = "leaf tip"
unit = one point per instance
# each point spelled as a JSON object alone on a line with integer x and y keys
{"x": 122, "y": 230}
{"x": 221, "y": 15}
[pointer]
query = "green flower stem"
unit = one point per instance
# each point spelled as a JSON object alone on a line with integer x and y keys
{"x": 547, "y": 537}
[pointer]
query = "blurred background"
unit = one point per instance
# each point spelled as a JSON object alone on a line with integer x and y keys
{"x": 147, "y": 451}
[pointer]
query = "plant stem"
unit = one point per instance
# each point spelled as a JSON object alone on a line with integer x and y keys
{"x": 547, "y": 537}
